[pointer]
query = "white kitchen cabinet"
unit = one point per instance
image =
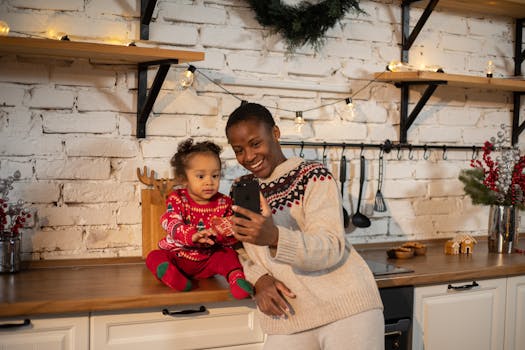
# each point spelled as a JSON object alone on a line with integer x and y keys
{"x": 458, "y": 316}
{"x": 230, "y": 325}
{"x": 46, "y": 333}
{"x": 515, "y": 317}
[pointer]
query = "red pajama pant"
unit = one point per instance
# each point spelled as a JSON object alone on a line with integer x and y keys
{"x": 221, "y": 262}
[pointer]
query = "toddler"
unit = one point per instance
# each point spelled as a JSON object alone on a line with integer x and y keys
{"x": 199, "y": 240}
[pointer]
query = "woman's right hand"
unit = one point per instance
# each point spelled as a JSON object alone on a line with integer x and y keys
{"x": 270, "y": 296}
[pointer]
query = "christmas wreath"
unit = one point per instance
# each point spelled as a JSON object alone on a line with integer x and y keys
{"x": 304, "y": 23}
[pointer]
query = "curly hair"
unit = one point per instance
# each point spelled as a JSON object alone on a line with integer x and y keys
{"x": 187, "y": 149}
{"x": 250, "y": 112}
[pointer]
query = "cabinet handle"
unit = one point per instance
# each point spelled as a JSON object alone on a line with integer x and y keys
{"x": 201, "y": 309}
{"x": 26, "y": 322}
{"x": 465, "y": 286}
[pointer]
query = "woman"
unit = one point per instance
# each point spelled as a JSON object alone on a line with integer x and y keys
{"x": 311, "y": 289}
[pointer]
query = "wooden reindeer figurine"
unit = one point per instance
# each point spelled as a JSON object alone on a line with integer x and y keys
{"x": 163, "y": 185}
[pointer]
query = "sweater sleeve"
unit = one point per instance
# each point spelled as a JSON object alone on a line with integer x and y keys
{"x": 173, "y": 223}
{"x": 319, "y": 243}
{"x": 252, "y": 270}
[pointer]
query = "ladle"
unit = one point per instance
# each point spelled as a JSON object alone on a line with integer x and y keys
{"x": 359, "y": 219}
{"x": 342, "y": 178}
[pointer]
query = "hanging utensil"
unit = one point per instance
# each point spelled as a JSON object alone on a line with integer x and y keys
{"x": 379, "y": 204}
{"x": 342, "y": 178}
{"x": 359, "y": 219}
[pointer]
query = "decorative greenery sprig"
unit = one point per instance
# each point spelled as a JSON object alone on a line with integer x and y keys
{"x": 500, "y": 181}
{"x": 304, "y": 23}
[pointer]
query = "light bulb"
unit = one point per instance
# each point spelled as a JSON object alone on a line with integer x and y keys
{"x": 299, "y": 120}
{"x": 4, "y": 28}
{"x": 490, "y": 69}
{"x": 186, "y": 78}
{"x": 350, "y": 108}
{"x": 53, "y": 34}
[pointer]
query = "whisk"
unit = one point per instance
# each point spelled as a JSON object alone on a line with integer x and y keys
{"x": 379, "y": 204}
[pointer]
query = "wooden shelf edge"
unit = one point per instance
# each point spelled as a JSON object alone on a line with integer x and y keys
{"x": 101, "y": 53}
{"x": 508, "y": 8}
{"x": 457, "y": 80}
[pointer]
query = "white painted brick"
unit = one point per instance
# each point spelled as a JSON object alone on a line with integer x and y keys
{"x": 255, "y": 63}
{"x": 205, "y": 127}
{"x": 174, "y": 33}
{"x": 445, "y": 188}
{"x": 23, "y": 73}
{"x": 436, "y": 206}
{"x": 101, "y": 147}
{"x": 488, "y": 28}
{"x": 307, "y": 66}
{"x": 57, "y": 239}
{"x": 22, "y": 122}
{"x": 9, "y": 167}
{"x": 119, "y": 100}
{"x": 231, "y": 38}
{"x": 345, "y": 48}
{"x": 213, "y": 59}
{"x": 493, "y": 118}
{"x": 400, "y": 206}
{"x": 91, "y": 122}
{"x": 11, "y": 95}
{"x": 129, "y": 213}
{"x": 460, "y": 43}
{"x": 345, "y": 131}
{"x": 47, "y": 98}
{"x": 27, "y": 22}
{"x": 77, "y": 215}
{"x": 411, "y": 226}
{"x": 89, "y": 169}
{"x": 398, "y": 169}
{"x": 441, "y": 170}
{"x": 462, "y": 223}
{"x": 45, "y": 145}
{"x": 96, "y": 192}
{"x": 192, "y": 13}
{"x": 80, "y": 73}
{"x": 439, "y": 134}
{"x": 242, "y": 17}
{"x": 447, "y": 22}
{"x": 405, "y": 189}
{"x": 477, "y": 136}
{"x": 62, "y": 5}
{"x": 488, "y": 99}
{"x": 89, "y": 28}
{"x": 186, "y": 102}
{"x": 382, "y": 132}
{"x": 126, "y": 169}
{"x": 110, "y": 238}
{"x": 127, "y": 124}
{"x": 167, "y": 125}
{"x": 37, "y": 192}
{"x": 458, "y": 116}
{"x": 126, "y": 8}
{"x": 159, "y": 148}
{"x": 374, "y": 32}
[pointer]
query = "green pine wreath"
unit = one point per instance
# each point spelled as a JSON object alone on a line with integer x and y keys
{"x": 304, "y": 23}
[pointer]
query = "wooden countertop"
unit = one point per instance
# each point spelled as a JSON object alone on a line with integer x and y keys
{"x": 115, "y": 284}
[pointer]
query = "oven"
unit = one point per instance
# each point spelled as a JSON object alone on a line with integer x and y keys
{"x": 398, "y": 308}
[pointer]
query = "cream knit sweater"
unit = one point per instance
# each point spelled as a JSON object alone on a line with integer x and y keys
{"x": 329, "y": 278}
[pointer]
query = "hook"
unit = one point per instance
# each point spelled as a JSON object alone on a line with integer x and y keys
{"x": 362, "y": 150}
{"x": 426, "y": 154}
{"x": 410, "y": 152}
{"x": 399, "y": 155}
{"x": 381, "y": 151}
{"x": 324, "y": 153}
{"x": 301, "y": 153}
{"x": 475, "y": 151}
{"x": 445, "y": 152}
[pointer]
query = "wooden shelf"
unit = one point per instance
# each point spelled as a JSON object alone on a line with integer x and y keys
{"x": 467, "y": 81}
{"x": 510, "y": 8}
{"x": 97, "y": 53}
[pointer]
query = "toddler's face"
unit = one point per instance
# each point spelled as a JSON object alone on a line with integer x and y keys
{"x": 203, "y": 174}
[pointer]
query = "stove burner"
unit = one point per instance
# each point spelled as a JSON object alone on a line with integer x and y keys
{"x": 381, "y": 269}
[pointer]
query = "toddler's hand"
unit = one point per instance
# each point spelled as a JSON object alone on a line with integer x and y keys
{"x": 204, "y": 237}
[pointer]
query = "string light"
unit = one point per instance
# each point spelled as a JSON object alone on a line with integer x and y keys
{"x": 187, "y": 77}
{"x": 53, "y": 34}
{"x": 398, "y": 66}
{"x": 299, "y": 121}
{"x": 490, "y": 69}
{"x": 4, "y": 28}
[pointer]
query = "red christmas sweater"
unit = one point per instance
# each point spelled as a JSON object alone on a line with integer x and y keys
{"x": 184, "y": 217}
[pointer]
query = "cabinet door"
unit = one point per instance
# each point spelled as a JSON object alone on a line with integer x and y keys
{"x": 221, "y": 325}
{"x": 462, "y": 318}
{"x": 515, "y": 321}
{"x": 46, "y": 333}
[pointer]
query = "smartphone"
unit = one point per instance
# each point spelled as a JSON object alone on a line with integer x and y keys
{"x": 246, "y": 195}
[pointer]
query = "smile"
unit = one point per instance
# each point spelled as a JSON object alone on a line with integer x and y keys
{"x": 256, "y": 165}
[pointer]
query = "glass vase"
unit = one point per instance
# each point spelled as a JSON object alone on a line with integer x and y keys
{"x": 9, "y": 254}
{"x": 503, "y": 229}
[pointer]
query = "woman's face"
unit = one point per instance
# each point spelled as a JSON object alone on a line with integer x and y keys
{"x": 256, "y": 147}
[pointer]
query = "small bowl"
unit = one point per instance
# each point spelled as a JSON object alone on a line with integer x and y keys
{"x": 402, "y": 254}
{"x": 418, "y": 248}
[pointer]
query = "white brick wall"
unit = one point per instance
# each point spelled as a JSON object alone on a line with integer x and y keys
{"x": 69, "y": 125}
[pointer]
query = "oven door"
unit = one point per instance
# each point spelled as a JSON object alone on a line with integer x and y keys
{"x": 397, "y": 334}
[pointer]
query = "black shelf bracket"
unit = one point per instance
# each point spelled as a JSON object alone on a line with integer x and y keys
{"x": 517, "y": 128}
{"x": 146, "y": 12}
{"x": 519, "y": 56}
{"x": 406, "y": 120}
{"x": 407, "y": 37}
{"x": 146, "y": 101}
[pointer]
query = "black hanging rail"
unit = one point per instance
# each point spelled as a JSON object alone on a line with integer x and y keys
{"x": 387, "y": 146}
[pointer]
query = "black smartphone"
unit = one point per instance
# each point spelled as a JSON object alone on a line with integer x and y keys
{"x": 246, "y": 195}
